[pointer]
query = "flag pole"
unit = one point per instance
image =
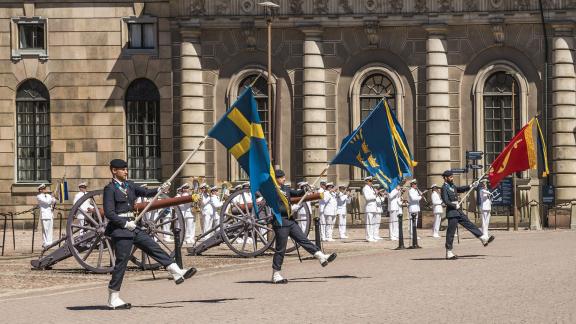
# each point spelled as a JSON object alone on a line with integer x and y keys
{"x": 313, "y": 184}
{"x": 471, "y": 189}
{"x": 172, "y": 177}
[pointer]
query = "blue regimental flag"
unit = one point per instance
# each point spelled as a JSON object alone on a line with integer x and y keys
{"x": 378, "y": 146}
{"x": 240, "y": 131}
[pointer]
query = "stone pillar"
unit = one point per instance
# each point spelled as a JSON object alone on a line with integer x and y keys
{"x": 573, "y": 214}
{"x": 563, "y": 144}
{"x": 314, "y": 141}
{"x": 438, "y": 103}
{"x": 535, "y": 216}
{"x": 192, "y": 108}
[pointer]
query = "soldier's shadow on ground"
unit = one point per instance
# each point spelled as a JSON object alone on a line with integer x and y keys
{"x": 159, "y": 305}
{"x": 303, "y": 279}
{"x": 470, "y": 256}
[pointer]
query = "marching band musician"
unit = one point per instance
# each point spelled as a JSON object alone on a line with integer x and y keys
{"x": 118, "y": 200}
{"x": 321, "y": 205}
{"x": 289, "y": 228}
{"x": 207, "y": 209}
{"x": 486, "y": 204}
{"x": 188, "y": 215}
{"x": 344, "y": 199}
{"x": 86, "y": 207}
{"x": 216, "y": 203}
{"x": 330, "y": 210}
{"x": 45, "y": 202}
{"x": 378, "y": 217}
{"x": 393, "y": 210}
{"x": 456, "y": 216}
{"x": 371, "y": 208}
{"x": 414, "y": 197}
{"x": 437, "y": 209}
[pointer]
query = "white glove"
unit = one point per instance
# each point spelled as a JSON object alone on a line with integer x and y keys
{"x": 130, "y": 225}
{"x": 457, "y": 205}
{"x": 165, "y": 187}
{"x": 475, "y": 184}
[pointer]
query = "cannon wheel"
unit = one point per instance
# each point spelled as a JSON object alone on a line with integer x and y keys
{"x": 88, "y": 243}
{"x": 154, "y": 228}
{"x": 93, "y": 249}
{"x": 243, "y": 224}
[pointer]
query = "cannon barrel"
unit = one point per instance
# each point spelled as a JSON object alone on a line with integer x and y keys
{"x": 294, "y": 200}
{"x": 164, "y": 203}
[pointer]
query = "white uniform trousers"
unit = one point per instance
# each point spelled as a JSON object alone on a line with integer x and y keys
{"x": 208, "y": 220}
{"x": 329, "y": 228}
{"x": 322, "y": 226}
{"x": 436, "y": 226}
{"x": 81, "y": 222}
{"x": 47, "y": 232}
{"x": 190, "y": 229}
{"x": 410, "y": 223}
{"x": 166, "y": 228}
{"x": 370, "y": 220}
{"x": 342, "y": 225}
{"x": 376, "y": 227}
{"x": 485, "y": 222}
{"x": 393, "y": 225}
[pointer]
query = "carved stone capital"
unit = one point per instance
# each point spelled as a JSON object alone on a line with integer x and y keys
{"x": 563, "y": 28}
{"x": 438, "y": 30}
{"x": 190, "y": 34}
{"x": 312, "y": 32}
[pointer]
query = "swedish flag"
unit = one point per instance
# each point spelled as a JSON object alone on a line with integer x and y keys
{"x": 378, "y": 146}
{"x": 240, "y": 131}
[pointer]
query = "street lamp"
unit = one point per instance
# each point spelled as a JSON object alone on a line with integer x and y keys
{"x": 269, "y": 8}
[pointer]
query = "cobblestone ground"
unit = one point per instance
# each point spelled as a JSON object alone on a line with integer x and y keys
{"x": 523, "y": 277}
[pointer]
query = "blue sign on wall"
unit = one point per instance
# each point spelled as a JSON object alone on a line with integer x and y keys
{"x": 504, "y": 193}
{"x": 548, "y": 195}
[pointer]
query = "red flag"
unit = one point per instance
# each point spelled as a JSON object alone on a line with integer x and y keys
{"x": 519, "y": 155}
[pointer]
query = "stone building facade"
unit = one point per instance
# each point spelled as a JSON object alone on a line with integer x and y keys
{"x": 456, "y": 72}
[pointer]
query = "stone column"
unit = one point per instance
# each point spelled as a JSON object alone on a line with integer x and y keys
{"x": 314, "y": 141}
{"x": 192, "y": 108}
{"x": 438, "y": 102}
{"x": 563, "y": 144}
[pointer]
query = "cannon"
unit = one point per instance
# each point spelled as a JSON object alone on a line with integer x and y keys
{"x": 246, "y": 232}
{"x": 92, "y": 249}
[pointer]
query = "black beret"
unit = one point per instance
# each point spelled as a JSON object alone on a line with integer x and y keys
{"x": 118, "y": 164}
{"x": 447, "y": 173}
{"x": 279, "y": 173}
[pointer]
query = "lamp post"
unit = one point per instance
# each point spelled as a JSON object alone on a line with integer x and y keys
{"x": 269, "y": 8}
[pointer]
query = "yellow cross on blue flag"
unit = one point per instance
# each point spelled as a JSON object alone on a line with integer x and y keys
{"x": 240, "y": 131}
{"x": 378, "y": 146}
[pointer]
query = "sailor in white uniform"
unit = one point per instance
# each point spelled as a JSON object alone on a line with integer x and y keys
{"x": 394, "y": 208}
{"x": 330, "y": 210}
{"x": 188, "y": 215}
{"x": 371, "y": 209}
{"x": 86, "y": 208}
{"x": 414, "y": 197}
{"x": 344, "y": 199}
{"x": 321, "y": 205}
{"x": 486, "y": 206}
{"x": 45, "y": 202}
{"x": 437, "y": 209}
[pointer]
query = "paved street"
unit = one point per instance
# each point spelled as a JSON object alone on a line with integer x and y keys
{"x": 524, "y": 277}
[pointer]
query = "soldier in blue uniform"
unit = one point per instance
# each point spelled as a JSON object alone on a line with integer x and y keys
{"x": 290, "y": 228}
{"x": 118, "y": 201}
{"x": 455, "y": 216}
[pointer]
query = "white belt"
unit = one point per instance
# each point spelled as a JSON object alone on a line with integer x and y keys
{"x": 127, "y": 215}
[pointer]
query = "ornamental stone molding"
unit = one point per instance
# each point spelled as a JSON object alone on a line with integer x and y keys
{"x": 498, "y": 32}
{"x": 345, "y": 6}
{"x": 249, "y": 33}
{"x": 296, "y": 7}
{"x": 223, "y": 8}
{"x": 371, "y": 30}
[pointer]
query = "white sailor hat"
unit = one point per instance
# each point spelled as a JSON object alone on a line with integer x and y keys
{"x": 186, "y": 185}
{"x": 322, "y": 181}
{"x": 246, "y": 185}
{"x": 368, "y": 178}
{"x": 434, "y": 186}
{"x": 82, "y": 184}
{"x": 214, "y": 188}
{"x": 302, "y": 184}
{"x": 41, "y": 186}
{"x": 342, "y": 186}
{"x": 413, "y": 181}
{"x": 204, "y": 185}
{"x": 330, "y": 184}
{"x": 484, "y": 180}
{"x": 238, "y": 187}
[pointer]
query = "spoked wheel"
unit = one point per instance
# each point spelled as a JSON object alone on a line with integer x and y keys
{"x": 87, "y": 242}
{"x": 159, "y": 224}
{"x": 303, "y": 217}
{"x": 246, "y": 233}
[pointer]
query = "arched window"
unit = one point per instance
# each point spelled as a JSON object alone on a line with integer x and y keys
{"x": 501, "y": 100}
{"x": 143, "y": 130}
{"x": 260, "y": 91}
{"x": 375, "y": 87}
{"x": 369, "y": 86}
{"x": 33, "y": 132}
